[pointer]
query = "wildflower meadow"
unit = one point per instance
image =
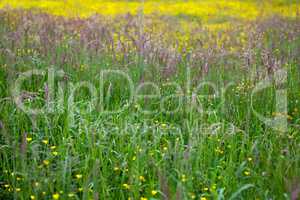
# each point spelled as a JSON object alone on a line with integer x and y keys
{"x": 150, "y": 99}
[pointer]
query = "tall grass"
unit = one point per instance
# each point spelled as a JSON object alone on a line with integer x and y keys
{"x": 213, "y": 146}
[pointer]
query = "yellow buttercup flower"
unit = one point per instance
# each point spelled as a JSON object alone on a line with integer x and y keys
{"x": 55, "y": 153}
{"x": 143, "y": 198}
{"x": 55, "y": 196}
{"x": 154, "y": 192}
{"x": 71, "y": 194}
{"x": 18, "y": 189}
{"x": 32, "y": 197}
{"x": 183, "y": 178}
{"x": 193, "y": 196}
{"x": 247, "y": 173}
{"x": 29, "y": 139}
{"x": 116, "y": 168}
{"x": 203, "y": 198}
{"x": 142, "y": 178}
{"x": 78, "y": 176}
{"x": 126, "y": 186}
{"x": 45, "y": 141}
{"x": 46, "y": 162}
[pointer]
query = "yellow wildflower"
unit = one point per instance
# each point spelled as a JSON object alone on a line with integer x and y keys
{"x": 46, "y": 162}
{"x": 193, "y": 196}
{"x": 183, "y": 178}
{"x": 32, "y": 197}
{"x": 18, "y": 189}
{"x": 78, "y": 176}
{"x": 247, "y": 173}
{"x": 126, "y": 186}
{"x": 71, "y": 194}
{"x": 142, "y": 178}
{"x": 55, "y": 196}
{"x": 45, "y": 141}
{"x": 116, "y": 168}
{"x": 154, "y": 192}
{"x": 29, "y": 139}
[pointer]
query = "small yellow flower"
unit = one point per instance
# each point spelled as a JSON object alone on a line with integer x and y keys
{"x": 29, "y": 139}
{"x": 116, "y": 168}
{"x": 154, "y": 192}
{"x": 214, "y": 186}
{"x": 134, "y": 158}
{"x": 163, "y": 125}
{"x": 55, "y": 153}
{"x": 165, "y": 148}
{"x": 247, "y": 173}
{"x": 55, "y": 196}
{"x": 78, "y": 176}
{"x": 46, "y": 162}
{"x": 249, "y": 159}
{"x": 80, "y": 189}
{"x": 205, "y": 189}
{"x": 193, "y": 196}
{"x": 43, "y": 193}
{"x": 18, "y": 178}
{"x": 53, "y": 147}
{"x": 183, "y": 178}
{"x": 143, "y": 198}
{"x": 45, "y": 141}
{"x": 71, "y": 194}
{"x": 6, "y": 185}
{"x": 203, "y": 198}
{"x": 18, "y": 189}
{"x": 126, "y": 186}
{"x": 32, "y": 197}
{"x": 36, "y": 184}
{"x": 142, "y": 178}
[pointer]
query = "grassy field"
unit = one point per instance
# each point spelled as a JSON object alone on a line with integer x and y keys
{"x": 161, "y": 100}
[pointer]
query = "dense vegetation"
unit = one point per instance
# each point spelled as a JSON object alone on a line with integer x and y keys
{"x": 77, "y": 118}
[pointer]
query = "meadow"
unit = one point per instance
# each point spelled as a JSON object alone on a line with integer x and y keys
{"x": 150, "y": 100}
